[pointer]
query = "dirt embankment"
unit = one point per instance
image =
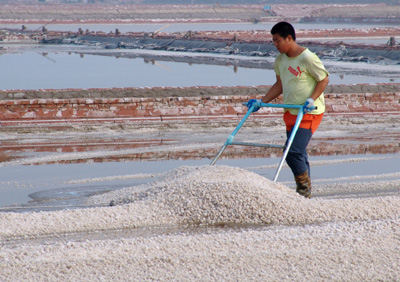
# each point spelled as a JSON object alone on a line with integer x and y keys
{"x": 143, "y": 13}
{"x": 361, "y": 11}
{"x": 176, "y": 103}
{"x": 165, "y": 92}
{"x": 132, "y": 13}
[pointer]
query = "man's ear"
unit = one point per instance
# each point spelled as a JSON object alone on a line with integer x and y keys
{"x": 289, "y": 38}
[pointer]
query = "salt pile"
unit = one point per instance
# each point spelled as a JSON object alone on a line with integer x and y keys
{"x": 223, "y": 194}
{"x": 213, "y": 195}
{"x": 198, "y": 195}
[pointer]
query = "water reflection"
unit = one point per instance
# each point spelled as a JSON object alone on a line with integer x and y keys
{"x": 40, "y": 68}
{"x": 156, "y": 150}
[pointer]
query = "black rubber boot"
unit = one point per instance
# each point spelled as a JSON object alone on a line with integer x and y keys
{"x": 303, "y": 182}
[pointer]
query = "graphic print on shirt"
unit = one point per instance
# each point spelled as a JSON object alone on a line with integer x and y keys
{"x": 294, "y": 71}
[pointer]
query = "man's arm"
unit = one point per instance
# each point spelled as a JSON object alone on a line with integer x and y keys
{"x": 319, "y": 88}
{"x": 274, "y": 91}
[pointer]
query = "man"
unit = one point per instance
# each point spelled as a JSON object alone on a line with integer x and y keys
{"x": 301, "y": 78}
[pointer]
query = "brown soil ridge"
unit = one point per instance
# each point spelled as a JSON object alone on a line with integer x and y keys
{"x": 187, "y": 13}
{"x": 165, "y": 92}
{"x": 166, "y": 104}
{"x": 129, "y": 12}
{"x": 370, "y": 11}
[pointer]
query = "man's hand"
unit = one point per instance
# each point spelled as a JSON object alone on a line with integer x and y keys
{"x": 309, "y": 105}
{"x": 256, "y": 102}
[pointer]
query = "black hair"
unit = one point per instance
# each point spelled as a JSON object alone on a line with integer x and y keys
{"x": 284, "y": 29}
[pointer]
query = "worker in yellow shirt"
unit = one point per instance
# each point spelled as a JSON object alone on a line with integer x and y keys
{"x": 301, "y": 78}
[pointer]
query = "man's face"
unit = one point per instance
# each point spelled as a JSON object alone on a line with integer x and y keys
{"x": 282, "y": 44}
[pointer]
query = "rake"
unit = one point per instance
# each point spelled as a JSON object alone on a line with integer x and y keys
{"x": 230, "y": 141}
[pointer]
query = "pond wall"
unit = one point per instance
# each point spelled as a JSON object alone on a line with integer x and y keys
{"x": 123, "y": 104}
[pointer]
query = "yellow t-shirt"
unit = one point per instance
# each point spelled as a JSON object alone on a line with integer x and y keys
{"x": 299, "y": 76}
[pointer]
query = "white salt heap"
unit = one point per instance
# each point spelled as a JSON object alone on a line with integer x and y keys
{"x": 292, "y": 238}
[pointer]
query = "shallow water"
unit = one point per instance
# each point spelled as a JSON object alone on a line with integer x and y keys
{"x": 59, "y": 186}
{"x": 62, "y": 67}
{"x": 59, "y": 169}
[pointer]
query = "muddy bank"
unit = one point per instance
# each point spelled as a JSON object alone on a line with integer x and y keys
{"x": 165, "y": 92}
{"x": 62, "y": 13}
{"x": 99, "y": 105}
{"x": 337, "y": 51}
{"x": 130, "y": 13}
{"x": 328, "y": 44}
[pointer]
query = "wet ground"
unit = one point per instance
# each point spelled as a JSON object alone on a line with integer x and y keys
{"x": 58, "y": 167}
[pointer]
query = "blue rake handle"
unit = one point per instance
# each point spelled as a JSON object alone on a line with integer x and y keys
{"x": 290, "y": 141}
{"x": 230, "y": 138}
{"x": 300, "y": 115}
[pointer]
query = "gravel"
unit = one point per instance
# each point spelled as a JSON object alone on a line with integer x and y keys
{"x": 206, "y": 223}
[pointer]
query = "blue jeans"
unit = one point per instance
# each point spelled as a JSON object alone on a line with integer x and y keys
{"x": 297, "y": 157}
